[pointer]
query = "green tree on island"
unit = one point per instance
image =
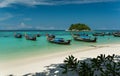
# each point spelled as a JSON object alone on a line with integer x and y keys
{"x": 79, "y": 27}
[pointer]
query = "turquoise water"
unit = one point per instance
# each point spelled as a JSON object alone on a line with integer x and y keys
{"x": 13, "y": 48}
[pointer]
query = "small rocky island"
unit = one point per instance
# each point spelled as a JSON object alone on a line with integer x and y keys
{"x": 79, "y": 27}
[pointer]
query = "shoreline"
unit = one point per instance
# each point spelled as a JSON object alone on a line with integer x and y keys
{"x": 61, "y": 50}
{"x": 38, "y": 63}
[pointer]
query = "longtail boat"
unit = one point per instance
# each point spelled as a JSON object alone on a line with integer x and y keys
{"x": 52, "y": 39}
{"x": 18, "y": 35}
{"x": 28, "y": 37}
{"x": 84, "y": 38}
{"x": 116, "y": 35}
{"x": 98, "y": 34}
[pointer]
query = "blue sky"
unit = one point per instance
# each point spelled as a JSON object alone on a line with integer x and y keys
{"x": 59, "y": 14}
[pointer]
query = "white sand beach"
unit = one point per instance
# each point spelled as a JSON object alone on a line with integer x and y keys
{"x": 39, "y": 63}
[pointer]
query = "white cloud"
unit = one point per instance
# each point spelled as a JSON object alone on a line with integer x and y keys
{"x": 5, "y": 16}
{"x": 20, "y": 26}
{"x": 44, "y": 28}
{"x": 23, "y": 26}
{"x": 6, "y": 3}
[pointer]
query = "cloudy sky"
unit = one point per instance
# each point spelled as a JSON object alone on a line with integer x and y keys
{"x": 59, "y": 14}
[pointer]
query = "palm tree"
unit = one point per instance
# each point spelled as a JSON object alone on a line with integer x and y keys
{"x": 118, "y": 67}
{"x": 111, "y": 70}
{"x": 70, "y": 64}
{"x": 101, "y": 58}
{"x": 111, "y": 66}
{"x": 65, "y": 69}
{"x": 85, "y": 69}
{"x": 110, "y": 58}
{"x": 96, "y": 63}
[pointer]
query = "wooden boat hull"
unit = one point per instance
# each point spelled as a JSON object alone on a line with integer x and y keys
{"x": 116, "y": 35}
{"x": 51, "y": 39}
{"x": 85, "y": 40}
{"x": 62, "y": 43}
{"x": 18, "y": 36}
{"x": 98, "y": 34}
{"x": 30, "y": 38}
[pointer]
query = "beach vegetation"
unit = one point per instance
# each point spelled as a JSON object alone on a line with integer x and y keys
{"x": 71, "y": 64}
{"x": 102, "y": 65}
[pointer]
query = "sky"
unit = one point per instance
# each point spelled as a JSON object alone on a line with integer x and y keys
{"x": 59, "y": 14}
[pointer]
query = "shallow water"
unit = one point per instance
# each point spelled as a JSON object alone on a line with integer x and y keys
{"x": 13, "y": 48}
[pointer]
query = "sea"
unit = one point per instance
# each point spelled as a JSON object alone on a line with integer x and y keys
{"x": 14, "y": 48}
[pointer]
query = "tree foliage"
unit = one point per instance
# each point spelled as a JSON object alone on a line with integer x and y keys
{"x": 100, "y": 66}
{"x": 79, "y": 27}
